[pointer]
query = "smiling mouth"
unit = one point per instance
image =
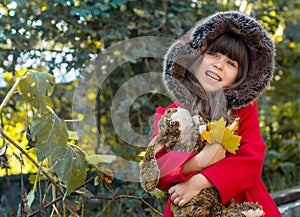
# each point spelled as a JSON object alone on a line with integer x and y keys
{"x": 213, "y": 75}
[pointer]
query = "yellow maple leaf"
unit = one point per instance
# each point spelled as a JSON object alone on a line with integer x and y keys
{"x": 230, "y": 141}
{"x": 234, "y": 126}
{"x": 218, "y": 132}
{"x": 205, "y": 135}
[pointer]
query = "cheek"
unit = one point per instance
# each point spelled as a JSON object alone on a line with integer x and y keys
{"x": 199, "y": 74}
{"x": 232, "y": 78}
{"x": 197, "y": 69}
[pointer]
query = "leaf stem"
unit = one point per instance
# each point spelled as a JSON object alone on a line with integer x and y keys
{"x": 73, "y": 120}
{"x": 10, "y": 93}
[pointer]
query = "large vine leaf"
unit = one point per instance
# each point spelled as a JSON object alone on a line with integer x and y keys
{"x": 69, "y": 165}
{"x": 48, "y": 131}
{"x": 36, "y": 87}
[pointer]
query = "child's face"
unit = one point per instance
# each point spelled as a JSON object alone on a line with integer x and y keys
{"x": 216, "y": 71}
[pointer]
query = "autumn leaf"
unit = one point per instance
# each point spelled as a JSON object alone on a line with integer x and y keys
{"x": 218, "y": 132}
{"x": 205, "y": 135}
{"x": 234, "y": 125}
{"x": 215, "y": 131}
{"x": 230, "y": 141}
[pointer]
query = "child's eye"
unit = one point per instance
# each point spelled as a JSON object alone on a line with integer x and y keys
{"x": 211, "y": 53}
{"x": 232, "y": 63}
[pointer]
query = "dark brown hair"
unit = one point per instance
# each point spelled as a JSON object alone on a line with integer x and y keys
{"x": 211, "y": 105}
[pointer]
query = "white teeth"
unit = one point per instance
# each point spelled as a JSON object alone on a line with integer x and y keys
{"x": 213, "y": 76}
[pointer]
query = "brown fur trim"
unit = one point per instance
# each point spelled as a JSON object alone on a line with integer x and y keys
{"x": 194, "y": 42}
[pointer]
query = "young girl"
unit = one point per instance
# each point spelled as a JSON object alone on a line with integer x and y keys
{"x": 225, "y": 61}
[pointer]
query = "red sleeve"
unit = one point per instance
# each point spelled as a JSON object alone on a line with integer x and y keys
{"x": 239, "y": 172}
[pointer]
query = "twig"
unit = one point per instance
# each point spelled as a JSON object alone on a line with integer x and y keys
{"x": 61, "y": 197}
{"x": 68, "y": 203}
{"x": 70, "y": 207}
{"x": 117, "y": 198}
{"x": 46, "y": 206}
{"x": 142, "y": 200}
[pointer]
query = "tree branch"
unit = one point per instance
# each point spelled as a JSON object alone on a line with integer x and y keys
{"x": 142, "y": 200}
{"x": 68, "y": 203}
{"x": 46, "y": 206}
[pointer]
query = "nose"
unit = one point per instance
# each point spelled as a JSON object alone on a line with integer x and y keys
{"x": 218, "y": 65}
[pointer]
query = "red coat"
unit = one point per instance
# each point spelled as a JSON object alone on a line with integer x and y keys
{"x": 237, "y": 176}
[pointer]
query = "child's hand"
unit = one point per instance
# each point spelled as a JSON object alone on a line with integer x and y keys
{"x": 210, "y": 154}
{"x": 183, "y": 192}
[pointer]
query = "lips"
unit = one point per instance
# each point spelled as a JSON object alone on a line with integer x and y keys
{"x": 213, "y": 75}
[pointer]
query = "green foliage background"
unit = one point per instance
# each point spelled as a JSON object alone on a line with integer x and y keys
{"x": 62, "y": 36}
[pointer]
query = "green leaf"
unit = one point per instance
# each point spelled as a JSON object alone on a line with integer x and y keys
{"x": 85, "y": 191}
{"x": 33, "y": 178}
{"x": 73, "y": 135}
{"x": 30, "y": 198}
{"x": 36, "y": 87}
{"x": 158, "y": 194}
{"x": 69, "y": 165}
{"x": 48, "y": 131}
{"x": 94, "y": 159}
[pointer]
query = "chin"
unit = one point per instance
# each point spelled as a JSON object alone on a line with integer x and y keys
{"x": 212, "y": 89}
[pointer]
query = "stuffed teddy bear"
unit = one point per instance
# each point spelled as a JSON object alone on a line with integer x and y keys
{"x": 180, "y": 131}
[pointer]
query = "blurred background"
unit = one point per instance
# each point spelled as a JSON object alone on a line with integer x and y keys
{"x": 62, "y": 37}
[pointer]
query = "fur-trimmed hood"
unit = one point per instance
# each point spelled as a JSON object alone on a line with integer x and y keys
{"x": 195, "y": 41}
